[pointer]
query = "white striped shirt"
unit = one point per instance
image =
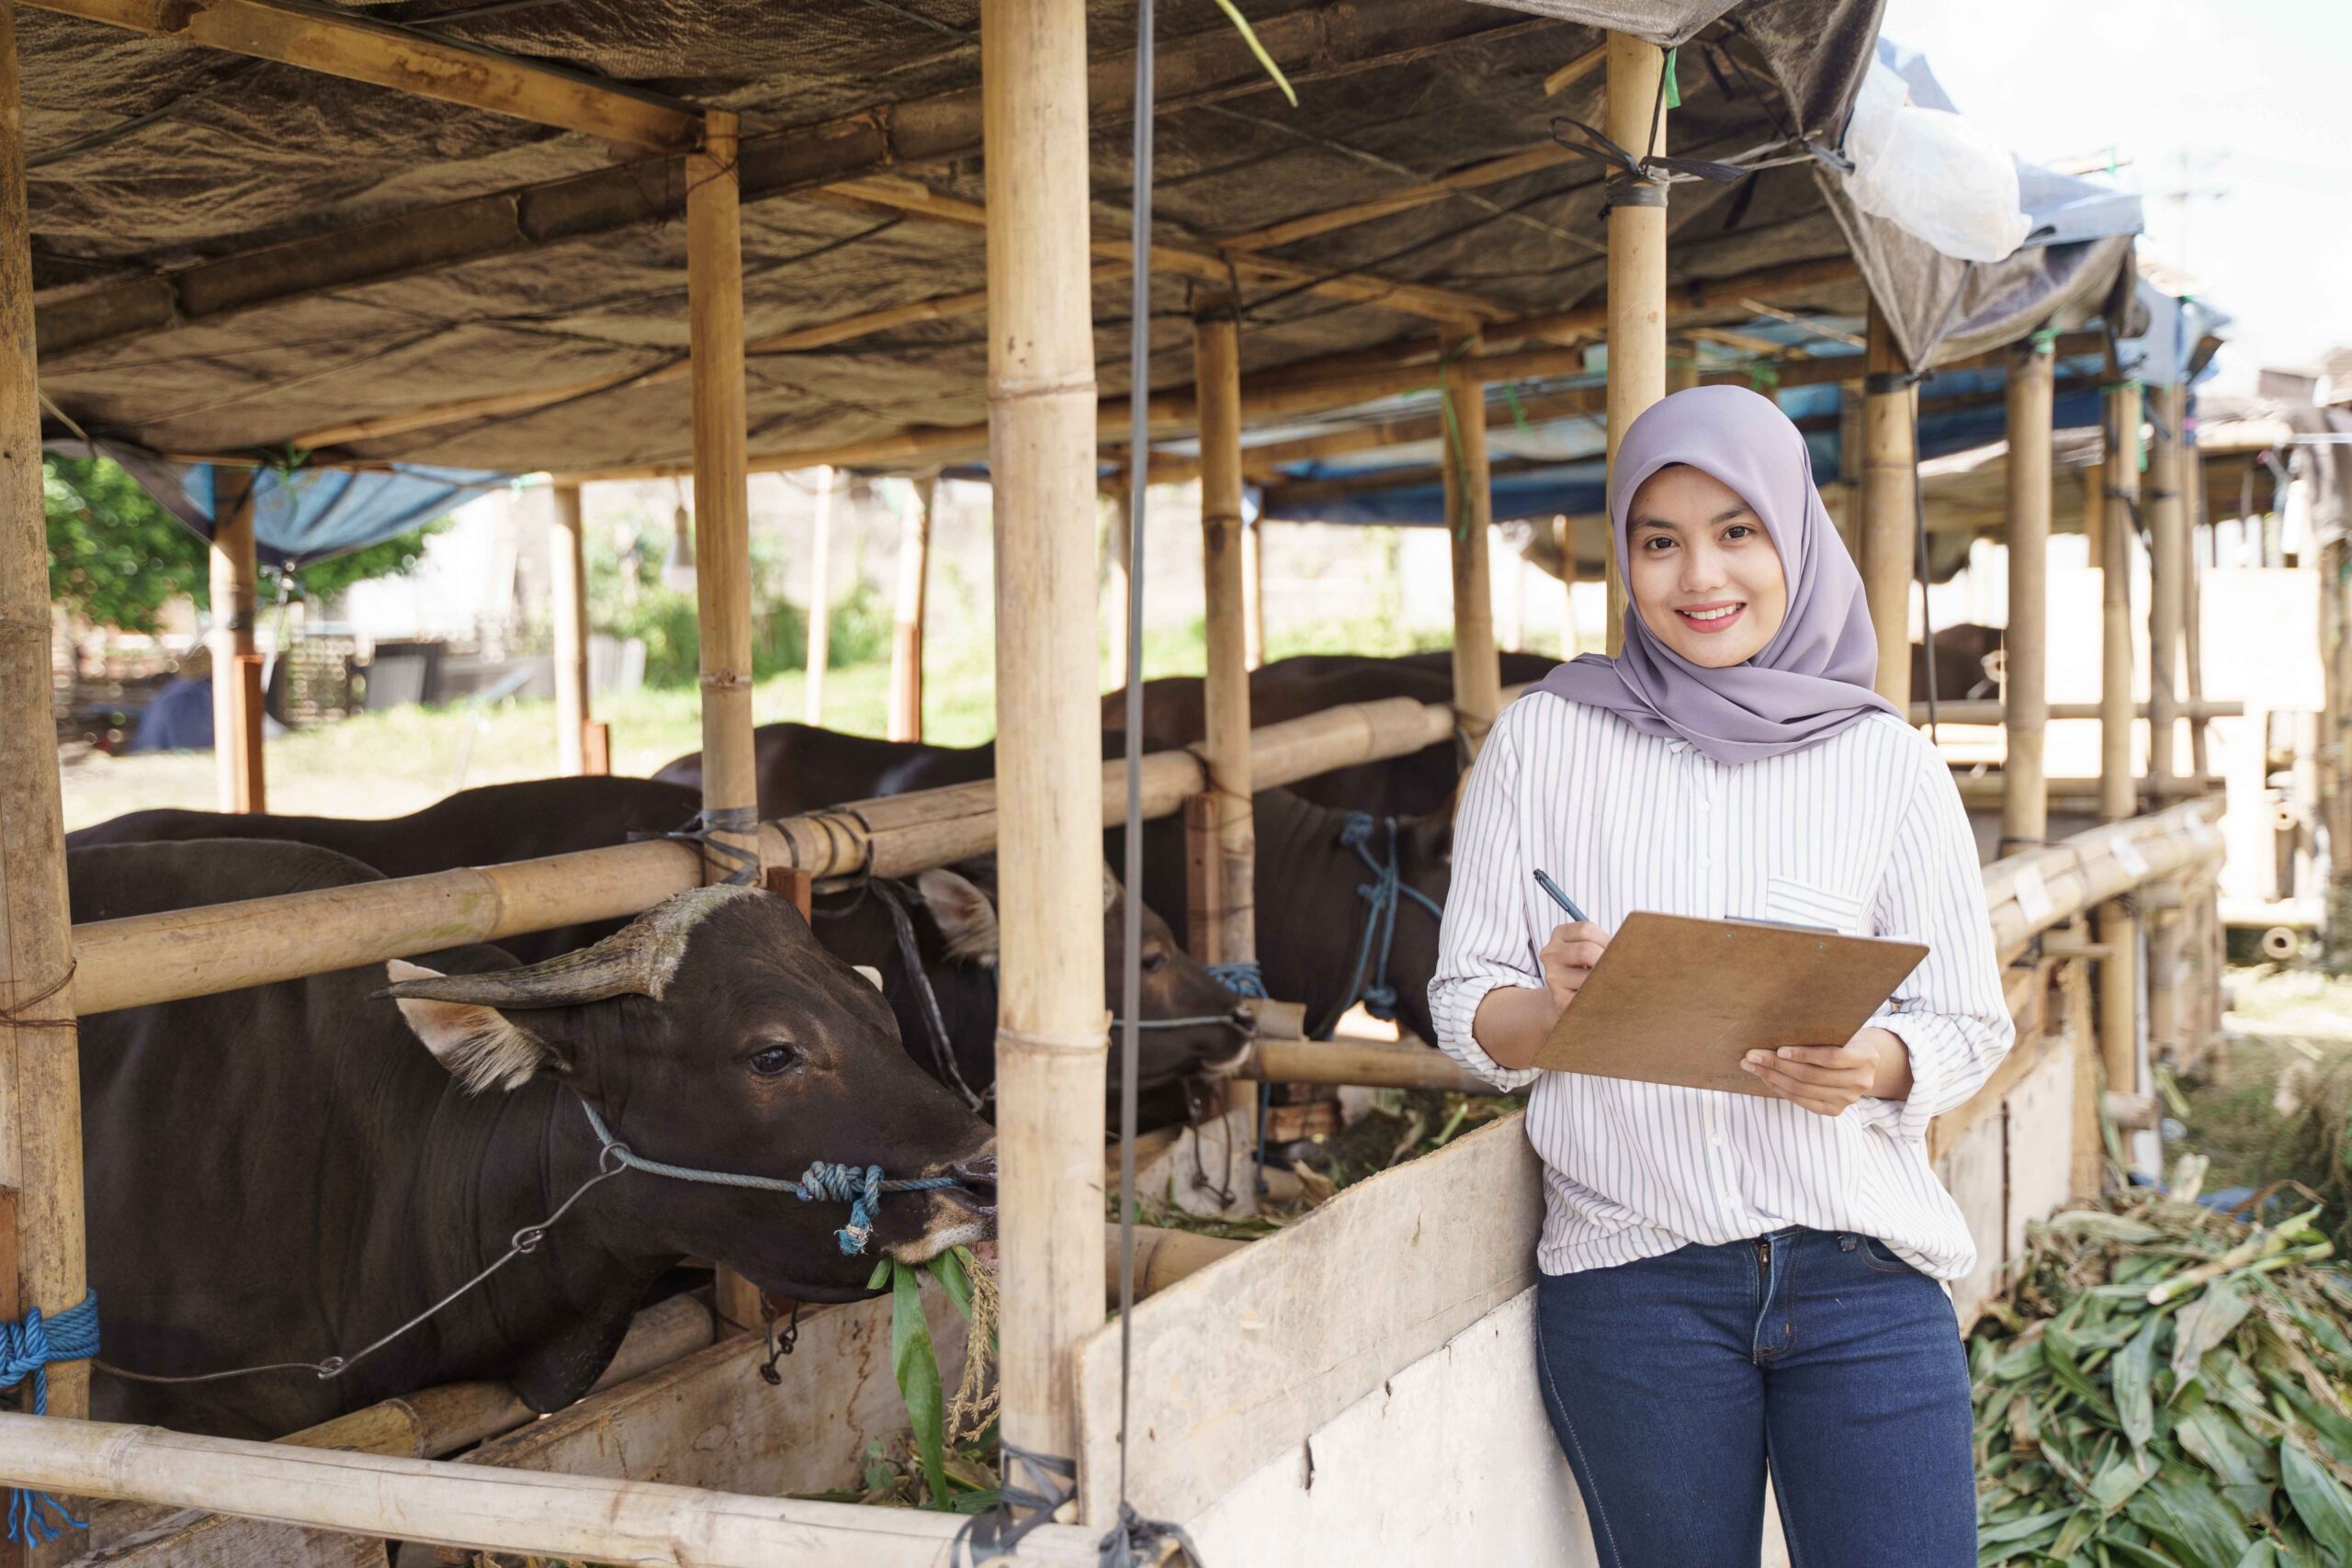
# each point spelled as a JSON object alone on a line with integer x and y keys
{"x": 1863, "y": 831}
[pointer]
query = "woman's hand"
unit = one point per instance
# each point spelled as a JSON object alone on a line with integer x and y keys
{"x": 1567, "y": 960}
{"x": 1825, "y": 1080}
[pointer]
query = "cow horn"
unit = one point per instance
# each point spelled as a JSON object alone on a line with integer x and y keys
{"x": 638, "y": 960}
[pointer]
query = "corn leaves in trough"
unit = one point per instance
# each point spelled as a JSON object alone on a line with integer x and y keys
{"x": 2166, "y": 1387}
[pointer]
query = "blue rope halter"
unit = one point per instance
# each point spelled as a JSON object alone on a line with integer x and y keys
{"x": 830, "y": 1180}
{"x": 26, "y": 1348}
{"x": 1243, "y": 979}
{"x": 1370, "y": 983}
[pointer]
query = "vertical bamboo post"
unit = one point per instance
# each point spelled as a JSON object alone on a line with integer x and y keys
{"x": 568, "y": 590}
{"x": 820, "y": 600}
{"x": 41, "y": 1099}
{"x": 1848, "y": 508}
{"x": 2118, "y": 995}
{"x": 1470, "y": 519}
{"x": 2168, "y": 570}
{"x": 2024, "y": 803}
{"x": 1253, "y": 592}
{"x": 1889, "y": 522}
{"x": 914, "y": 612}
{"x": 722, "y": 536}
{"x": 2192, "y": 620}
{"x": 236, "y": 662}
{"x": 1115, "y": 527}
{"x": 2118, "y": 795}
{"x": 1230, "y": 934}
{"x": 1051, "y": 1026}
{"x": 1637, "y": 303}
{"x": 2164, "y": 985}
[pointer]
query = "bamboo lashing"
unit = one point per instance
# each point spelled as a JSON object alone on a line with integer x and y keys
{"x": 1890, "y": 481}
{"x": 2025, "y": 804}
{"x": 1636, "y": 290}
{"x": 41, "y": 1258}
{"x": 1052, "y": 1040}
{"x": 567, "y": 590}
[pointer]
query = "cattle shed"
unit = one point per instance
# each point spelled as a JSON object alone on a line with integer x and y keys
{"x": 244, "y": 238}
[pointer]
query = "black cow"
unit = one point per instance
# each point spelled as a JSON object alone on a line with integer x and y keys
{"x": 1966, "y": 657}
{"x": 951, "y": 925}
{"x": 954, "y": 919}
{"x": 287, "y": 1172}
{"x": 1311, "y": 918}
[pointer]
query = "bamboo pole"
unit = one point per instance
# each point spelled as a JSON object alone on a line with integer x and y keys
{"x": 2122, "y": 472}
{"x": 1890, "y": 482}
{"x": 1116, "y": 525}
{"x": 1052, "y": 1030}
{"x": 2165, "y": 1043}
{"x": 2192, "y": 623}
{"x": 723, "y": 502}
{"x": 1989, "y": 710}
{"x": 1470, "y": 524}
{"x": 1369, "y": 1063}
{"x": 2025, "y": 804}
{"x": 1226, "y": 928}
{"x": 1635, "y": 306}
{"x": 914, "y": 612}
{"x": 569, "y": 594}
{"x": 586, "y": 1518}
{"x": 40, "y": 1103}
{"x": 1253, "y": 592}
{"x": 236, "y": 663}
{"x": 2167, "y": 572}
{"x": 2119, "y": 996}
{"x": 820, "y": 600}
{"x": 212, "y": 948}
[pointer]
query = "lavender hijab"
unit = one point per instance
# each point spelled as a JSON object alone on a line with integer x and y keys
{"x": 1814, "y": 678}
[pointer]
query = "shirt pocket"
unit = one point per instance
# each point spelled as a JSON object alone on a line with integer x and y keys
{"x": 1807, "y": 904}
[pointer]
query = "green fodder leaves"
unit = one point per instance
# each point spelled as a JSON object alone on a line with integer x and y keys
{"x": 2208, "y": 1426}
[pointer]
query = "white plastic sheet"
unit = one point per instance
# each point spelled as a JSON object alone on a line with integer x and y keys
{"x": 1931, "y": 174}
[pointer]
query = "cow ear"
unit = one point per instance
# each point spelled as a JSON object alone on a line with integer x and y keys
{"x": 1109, "y": 890}
{"x": 481, "y": 1046}
{"x": 966, "y": 919}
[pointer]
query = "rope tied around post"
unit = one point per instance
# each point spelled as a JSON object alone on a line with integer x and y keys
{"x": 711, "y": 822}
{"x": 29, "y": 1346}
{"x": 13, "y": 1017}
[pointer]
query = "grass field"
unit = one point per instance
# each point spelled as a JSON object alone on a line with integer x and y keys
{"x": 387, "y": 764}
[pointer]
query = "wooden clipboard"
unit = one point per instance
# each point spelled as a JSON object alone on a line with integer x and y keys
{"x": 1679, "y": 1000}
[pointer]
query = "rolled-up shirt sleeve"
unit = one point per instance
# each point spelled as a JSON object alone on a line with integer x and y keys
{"x": 1949, "y": 1012}
{"x": 1484, "y": 940}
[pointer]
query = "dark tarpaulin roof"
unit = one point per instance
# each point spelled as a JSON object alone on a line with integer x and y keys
{"x": 194, "y": 212}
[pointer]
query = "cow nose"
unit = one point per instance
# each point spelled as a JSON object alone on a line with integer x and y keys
{"x": 1243, "y": 1020}
{"x": 978, "y": 1172}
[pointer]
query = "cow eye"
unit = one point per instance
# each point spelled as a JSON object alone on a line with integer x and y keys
{"x": 770, "y": 1060}
{"x": 1154, "y": 962}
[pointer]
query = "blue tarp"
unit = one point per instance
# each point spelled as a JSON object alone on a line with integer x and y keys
{"x": 306, "y": 514}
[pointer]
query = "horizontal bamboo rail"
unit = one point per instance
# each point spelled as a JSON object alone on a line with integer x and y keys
{"x": 1988, "y": 710}
{"x": 2028, "y": 893}
{"x": 586, "y": 1518}
{"x": 143, "y": 959}
{"x": 1363, "y": 1063}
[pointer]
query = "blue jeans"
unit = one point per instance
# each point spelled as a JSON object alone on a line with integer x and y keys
{"x": 1672, "y": 1381}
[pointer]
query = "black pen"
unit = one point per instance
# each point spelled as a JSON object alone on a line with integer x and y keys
{"x": 1562, "y": 900}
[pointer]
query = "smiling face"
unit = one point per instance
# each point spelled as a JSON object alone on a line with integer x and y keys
{"x": 1705, "y": 575}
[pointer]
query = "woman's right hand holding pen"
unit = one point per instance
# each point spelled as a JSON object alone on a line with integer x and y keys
{"x": 1567, "y": 960}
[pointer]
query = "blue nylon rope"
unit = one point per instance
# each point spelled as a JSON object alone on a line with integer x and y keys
{"x": 1243, "y": 979}
{"x": 26, "y": 1348}
{"x": 1384, "y": 894}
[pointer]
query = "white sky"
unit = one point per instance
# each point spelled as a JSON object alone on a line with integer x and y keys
{"x": 2242, "y": 102}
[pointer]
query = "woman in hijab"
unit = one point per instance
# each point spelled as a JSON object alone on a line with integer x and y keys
{"x": 1734, "y": 1281}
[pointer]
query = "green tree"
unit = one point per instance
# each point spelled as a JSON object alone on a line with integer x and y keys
{"x": 116, "y": 559}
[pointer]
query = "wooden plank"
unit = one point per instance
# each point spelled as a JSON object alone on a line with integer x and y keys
{"x": 712, "y": 1420}
{"x": 337, "y": 43}
{"x": 186, "y": 1540}
{"x": 2041, "y": 1111}
{"x": 1236, "y": 1363}
{"x": 1975, "y": 1170}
